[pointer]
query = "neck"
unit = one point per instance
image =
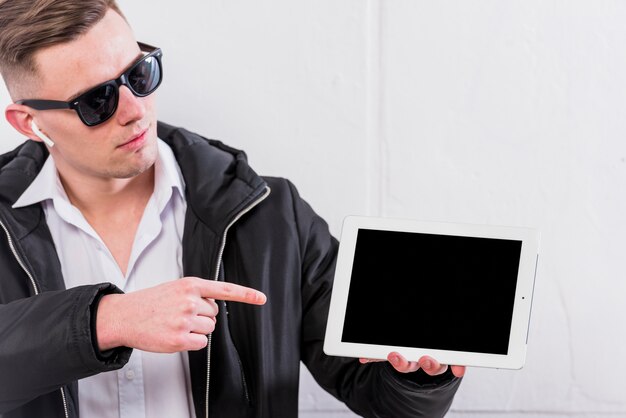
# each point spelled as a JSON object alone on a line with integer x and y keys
{"x": 96, "y": 197}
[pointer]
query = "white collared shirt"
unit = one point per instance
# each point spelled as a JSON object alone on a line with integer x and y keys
{"x": 150, "y": 384}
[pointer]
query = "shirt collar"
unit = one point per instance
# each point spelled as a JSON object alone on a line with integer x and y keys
{"x": 47, "y": 184}
{"x": 167, "y": 176}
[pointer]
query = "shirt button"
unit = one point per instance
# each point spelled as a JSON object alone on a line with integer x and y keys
{"x": 130, "y": 375}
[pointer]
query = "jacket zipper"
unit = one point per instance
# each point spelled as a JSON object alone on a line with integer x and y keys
{"x": 32, "y": 281}
{"x": 217, "y": 273}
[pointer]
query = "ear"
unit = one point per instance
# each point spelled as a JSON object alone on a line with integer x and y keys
{"x": 20, "y": 117}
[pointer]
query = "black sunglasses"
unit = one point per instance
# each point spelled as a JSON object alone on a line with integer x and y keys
{"x": 100, "y": 103}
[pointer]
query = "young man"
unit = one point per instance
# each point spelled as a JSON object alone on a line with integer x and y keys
{"x": 120, "y": 251}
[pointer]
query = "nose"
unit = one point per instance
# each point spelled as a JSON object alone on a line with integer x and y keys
{"x": 130, "y": 108}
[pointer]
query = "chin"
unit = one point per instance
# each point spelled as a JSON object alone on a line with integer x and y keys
{"x": 143, "y": 161}
{"x": 133, "y": 172}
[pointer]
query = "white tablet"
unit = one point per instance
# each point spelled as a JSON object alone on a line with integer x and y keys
{"x": 459, "y": 293}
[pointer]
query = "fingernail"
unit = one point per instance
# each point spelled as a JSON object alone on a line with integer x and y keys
{"x": 395, "y": 360}
{"x": 427, "y": 364}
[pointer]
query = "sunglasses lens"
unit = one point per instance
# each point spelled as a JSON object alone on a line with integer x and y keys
{"x": 145, "y": 77}
{"x": 98, "y": 105}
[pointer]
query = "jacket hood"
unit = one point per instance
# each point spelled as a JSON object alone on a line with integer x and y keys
{"x": 219, "y": 183}
{"x": 18, "y": 168}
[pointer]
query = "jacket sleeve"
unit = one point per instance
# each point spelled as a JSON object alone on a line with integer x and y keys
{"x": 47, "y": 341}
{"x": 370, "y": 390}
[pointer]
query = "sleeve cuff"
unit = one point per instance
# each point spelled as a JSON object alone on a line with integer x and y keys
{"x": 107, "y": 355}
{"x": 419, "y": 380}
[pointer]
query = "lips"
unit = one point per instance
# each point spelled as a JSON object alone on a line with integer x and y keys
{"x": 135, "y": 141}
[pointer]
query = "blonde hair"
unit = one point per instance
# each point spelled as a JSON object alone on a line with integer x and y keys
{"x": 27, "y": 26}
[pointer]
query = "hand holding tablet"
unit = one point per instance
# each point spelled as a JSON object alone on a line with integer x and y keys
{"x": 428, "y": 364}
{"x": 458, "y": 293}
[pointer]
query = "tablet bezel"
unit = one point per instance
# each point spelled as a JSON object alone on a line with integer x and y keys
{"x": 516, "y": 354}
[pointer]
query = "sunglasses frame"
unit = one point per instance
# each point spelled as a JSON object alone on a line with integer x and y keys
{"x": 122, "y": 80}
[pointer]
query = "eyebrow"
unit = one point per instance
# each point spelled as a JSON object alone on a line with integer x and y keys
{"x": 83, "y": 91}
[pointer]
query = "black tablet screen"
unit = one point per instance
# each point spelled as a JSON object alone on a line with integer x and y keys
{"x": 432, "y": 291}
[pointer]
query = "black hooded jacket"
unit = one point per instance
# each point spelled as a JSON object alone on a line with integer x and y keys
{"x": 235, "y": 229}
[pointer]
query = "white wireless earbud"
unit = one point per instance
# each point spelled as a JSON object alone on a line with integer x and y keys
{"x": 41, "y": 135}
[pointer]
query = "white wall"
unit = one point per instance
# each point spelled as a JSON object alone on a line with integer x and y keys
{"x": 498, "y": 112}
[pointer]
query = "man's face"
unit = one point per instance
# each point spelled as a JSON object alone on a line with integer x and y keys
{"x": 125, "y": 145}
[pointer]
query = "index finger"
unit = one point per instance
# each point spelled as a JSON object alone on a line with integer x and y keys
{"x": 231, "y": 292}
